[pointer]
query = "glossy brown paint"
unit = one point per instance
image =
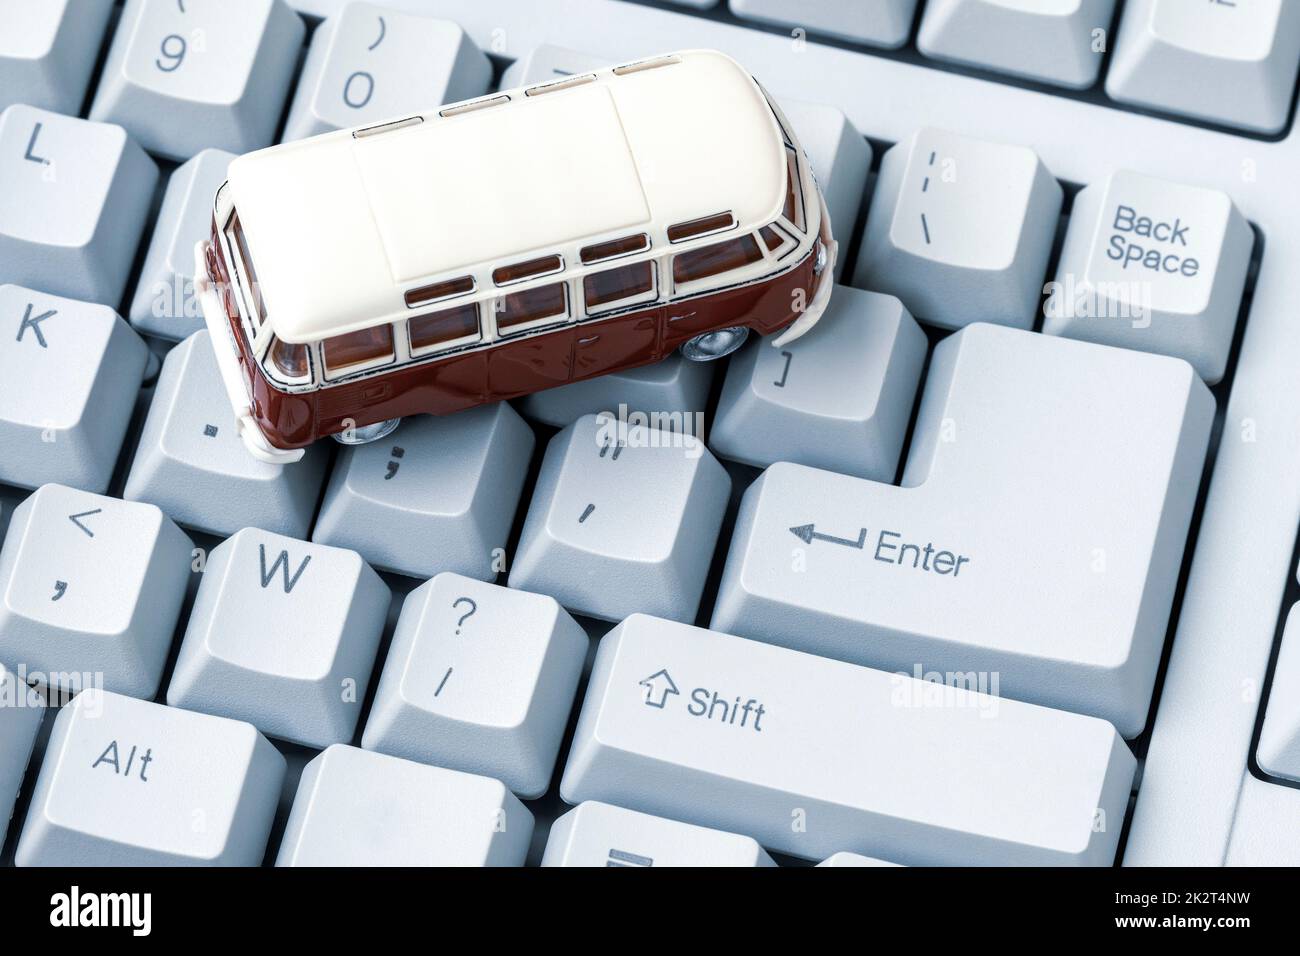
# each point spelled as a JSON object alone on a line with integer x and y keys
{"x": 509, "y": 368}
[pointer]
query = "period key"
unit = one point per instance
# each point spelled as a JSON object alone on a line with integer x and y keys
{"x": 812, "y": 757}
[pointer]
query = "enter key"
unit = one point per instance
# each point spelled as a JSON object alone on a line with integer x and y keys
{"x": 1033, "y": 548}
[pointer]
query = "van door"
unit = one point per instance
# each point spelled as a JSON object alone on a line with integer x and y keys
{"x": 623, "y": 341}
{"x": 542, "y": 354}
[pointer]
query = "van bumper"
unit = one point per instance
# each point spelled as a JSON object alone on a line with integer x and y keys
{"x": 825, "y": 283}
{"x": 223, "y": 346}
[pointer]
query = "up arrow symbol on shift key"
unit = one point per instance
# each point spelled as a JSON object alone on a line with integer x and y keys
{"x": 658, "y": 686}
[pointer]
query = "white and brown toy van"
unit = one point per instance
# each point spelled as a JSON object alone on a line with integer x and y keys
{"x": 508, "y": 244}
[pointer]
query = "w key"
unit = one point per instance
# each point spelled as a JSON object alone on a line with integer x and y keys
{"x": 1037, "y": 538}
{"x": 283, "y": 634}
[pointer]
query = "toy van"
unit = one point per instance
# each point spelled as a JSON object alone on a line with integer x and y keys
{"x": 508, "y": 244}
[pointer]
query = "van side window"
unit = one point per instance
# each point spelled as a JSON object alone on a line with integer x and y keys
{"x": 527, "y": 270}
{"x": 447, "y": 325}
{"x": 615, "y": 285}
{"x": 363, "y": 347}
{"x": 532, "y": 305}
{"x": 718, "y": 222}
{"x": 712, "y": 260}
{"x": 291, "y": 360}
{"x": 793, "y": 211}
{"x": 614, "y": 249}
{"x": 439, "y": 290}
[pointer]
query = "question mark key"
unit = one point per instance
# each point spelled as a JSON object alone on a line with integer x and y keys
{"x": 479, "y": 678}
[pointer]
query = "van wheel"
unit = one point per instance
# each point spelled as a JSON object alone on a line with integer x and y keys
{"x": 367, "y": 433}
{"x": 711, "y": 346}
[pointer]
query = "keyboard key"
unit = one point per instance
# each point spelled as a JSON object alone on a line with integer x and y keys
{"x": 359, "y": 808}
{"x": 69, "y": 375}
{"x": 840, "y": 158}
{"x": 960, "y": 229}
{"x": 73, "y": 200}
{"x": 48, "y": 49}
{"x": 623, "y": 517}
{"x": 283, "y": 634}
{"x": 1061, "y": 43}
{"x": 1229, "y": 63}
{"x": 127, "y": 782}
{"x": 1037, "y": 537}
{"x": 1153, "y": 265}
{"x": 839, "y": 398}
{"x": 676, "y": 387}
{"x": 91, "y": 586}
{"x": 20, "y": 719}
{"x": 192, "y": 464}
{"x": 884, "y": 23}
{"x": 479, "y": 678}
{"x": 550, "y": 62}
{"x": 185, "y": 76}
{"x": 370, "y": 63}
{"x": 165, "y": 303}
{"x": 598, "y": 834}
{"x": 853, "y": 859}
{"x": 1278, "y": 752}
{"x": 812, "y": 756}
{"x": 439, "y": 494}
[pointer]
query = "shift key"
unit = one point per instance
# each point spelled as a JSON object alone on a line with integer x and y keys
{"x": 812, "y": 756}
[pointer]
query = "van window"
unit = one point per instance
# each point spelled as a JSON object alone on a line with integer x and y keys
{"x": 245, "y": 266}
{"x": 614, "y": 285}
{"x": 363, "y": 347}
{"x": 701, "y": 227}
{"x": 718, "y": 258}
{"x": 794, "y": 194}
{"x": 447, "y": 325}
{"x": 527, "y": 270}
{"x": 614, "y": 248}
{"x": 439, "y": 290}
{"x": 290, "y": 360}
{"x": 532, "y": 305}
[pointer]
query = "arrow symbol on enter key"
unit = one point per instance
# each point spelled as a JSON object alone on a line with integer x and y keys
{"x": 807, "y": 533}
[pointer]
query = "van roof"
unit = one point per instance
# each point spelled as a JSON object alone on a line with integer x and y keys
{"x": 339, "y": 226}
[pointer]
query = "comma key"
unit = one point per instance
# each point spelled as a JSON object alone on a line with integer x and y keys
{"x": 1038, "y": 535}
{"x": 91, "y": 585}
{"x": 127, "y": 782}
{"x": 848, "y": 758}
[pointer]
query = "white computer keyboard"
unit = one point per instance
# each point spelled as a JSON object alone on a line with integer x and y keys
{"x": 681, "y": 652}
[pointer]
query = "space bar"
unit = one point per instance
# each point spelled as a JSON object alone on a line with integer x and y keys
{"x": 812, "y": 756}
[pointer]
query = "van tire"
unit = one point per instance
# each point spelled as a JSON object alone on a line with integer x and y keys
{"x": 367, "y": 433}
{"x": 711, "y": 346}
